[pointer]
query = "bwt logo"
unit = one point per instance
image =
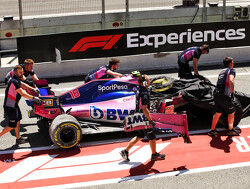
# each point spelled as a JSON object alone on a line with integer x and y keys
{"x": 106, "y": 42}
{"x": 109, "y": 114}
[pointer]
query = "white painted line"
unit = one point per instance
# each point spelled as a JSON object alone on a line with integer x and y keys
{"x": 243, "y": 126}
{"x": 17, "y": 171}
{"x": 28, "y": 150}
{"x": 237, "y": 74}
{"x": 142, "y": 177}
{"x": 108, "y": 141}
{"x": 84, "y": 160}
{"x": 139, "y": 157}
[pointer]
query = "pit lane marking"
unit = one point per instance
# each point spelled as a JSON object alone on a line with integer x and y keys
{"x": 32, "y": 177}
{"x": 144, "y": 177}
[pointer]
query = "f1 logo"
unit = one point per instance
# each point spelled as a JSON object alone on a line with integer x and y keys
{"x": 106, "y": 41}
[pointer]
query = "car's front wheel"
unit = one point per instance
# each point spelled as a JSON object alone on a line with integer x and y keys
{"x": 65, "y": 131}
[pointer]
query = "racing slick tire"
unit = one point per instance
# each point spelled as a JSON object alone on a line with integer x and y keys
{"x": 162, "y": 83}
{"x": 237, "y": 116}
{"x": 65, "y": 131}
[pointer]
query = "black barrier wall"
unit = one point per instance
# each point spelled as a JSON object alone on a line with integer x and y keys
{"x": 132, "y": 41}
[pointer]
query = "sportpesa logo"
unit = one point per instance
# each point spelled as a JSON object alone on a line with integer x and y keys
{"x": 112, "y": 87}
{"x": 137, "y": 40}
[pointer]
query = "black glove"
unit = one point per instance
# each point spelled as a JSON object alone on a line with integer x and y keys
{"x": 37, "y": 100}
{"x": 199, "y": 76}
{"x": 30, "y": 83}
{"x": 152, "y": 123}
{"x": 36, "y": 90}
{"x": 232, "y": 96}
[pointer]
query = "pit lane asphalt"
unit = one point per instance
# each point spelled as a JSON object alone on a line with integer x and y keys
{"x": 229, "y": 178}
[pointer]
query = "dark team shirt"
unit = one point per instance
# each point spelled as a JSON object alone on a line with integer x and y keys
{"x": 100, "y": 73}
{"x": 12, "y": 97}
{"x": 25, "y": 73}
{"x": 223, "y": 81}
{"x": 189, "y": 54}
{"x": 142, "y": 98}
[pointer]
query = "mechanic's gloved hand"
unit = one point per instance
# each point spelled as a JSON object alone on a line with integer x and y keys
{"x": 30, "y": 83}
{"x": 152, "y": 123}
{"x": 37, "y": 100}
{"x": 199, "y": 76}
{"x": 36, "y": 90}
{"x": 232, "y": 96}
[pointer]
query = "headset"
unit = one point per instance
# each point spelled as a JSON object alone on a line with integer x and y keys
{"x": 140, "y": 76}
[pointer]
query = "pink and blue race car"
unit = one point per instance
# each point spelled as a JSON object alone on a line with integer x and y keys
{"x": 104, "y": 105}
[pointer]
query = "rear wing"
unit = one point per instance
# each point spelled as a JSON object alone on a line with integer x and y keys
{"x": 163, "y": 122}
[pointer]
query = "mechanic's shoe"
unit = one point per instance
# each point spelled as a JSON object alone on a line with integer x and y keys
{"x": 124, "y": 155}
{"x": 22, "y": 140}
{"x": 233, "y": 132}
{"x": 157, "y": 156}
{"x": 213, "y": 132}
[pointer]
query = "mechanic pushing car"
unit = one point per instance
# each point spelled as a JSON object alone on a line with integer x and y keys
{"x": 143, "y": 98}
{"x": 107, "y": 71}
{"x": 223, "y": 97}
{"x": 12, "y": 111}
{"x": 27, "y": 70}
{"x": 192, "y": 53}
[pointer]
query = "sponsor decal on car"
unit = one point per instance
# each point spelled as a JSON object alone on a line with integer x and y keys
{"x": 109, "y": 114}
{"x": 136, "y": 119}
{"x": 112, "y": 87}
{"x": 48, "y": 102}
{"x": 131, "y": 98}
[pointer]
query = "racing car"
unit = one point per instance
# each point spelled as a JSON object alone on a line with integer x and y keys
{"x": 102, "y": 106}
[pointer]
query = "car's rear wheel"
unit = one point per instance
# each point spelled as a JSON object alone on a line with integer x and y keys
{"x": 65, "y": 131}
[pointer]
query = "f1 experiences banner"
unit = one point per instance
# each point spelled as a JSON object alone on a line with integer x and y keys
{"x": 133, "y": 41}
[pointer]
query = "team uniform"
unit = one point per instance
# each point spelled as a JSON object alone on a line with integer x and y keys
{"x": 222, "y": 93}
{"x": 143, "y": 98}
{"x": 99, "y": 73}
{"x": 11, "y": 74}
{"x": 223, "y": 99}
{"x": 183, "y": 61}
{"x": 12, "y": 97}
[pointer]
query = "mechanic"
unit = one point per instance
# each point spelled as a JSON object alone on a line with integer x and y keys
{"x": 27, "y": 70}
{"x": 105, "y": 71}
{"x": 223, "y": 97}
{"x": 192, "y": 53}
{"x": 143, "y": 97}
{"x": 12, "y": 111}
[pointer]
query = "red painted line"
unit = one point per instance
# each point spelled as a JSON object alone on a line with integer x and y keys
{"x": 204, "y": 152}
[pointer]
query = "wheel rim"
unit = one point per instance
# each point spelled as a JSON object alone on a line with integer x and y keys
{"x": 67, "y": 135}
